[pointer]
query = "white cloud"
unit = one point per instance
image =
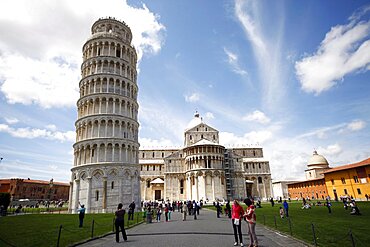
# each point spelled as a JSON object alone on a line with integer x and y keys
{"x": 152, "y": 143}
{"x": 11, "y": 120}
{"x": 32, "y": 133}
{"x": 53, "y": 167}
{"x": 356, "y": 125}
{"x": 331, "y": 150}
{"x": 266, "y": 47}
{"x": 321, "y": 133}
{"x": 258, "y": 136}
{"x": 345, "y": 50}
{"x": 194, "y": 97}
{"x": 44, "y": 82}
{"x": 162, "y": 119}
{"x": 233, "y": 60}
{"x": 41, "y": 53}
{"x": 250, "y": 138}
{"x": 209, "y": 115}
{"x": 257, "y": 116}
{"x": 51, "y": 127}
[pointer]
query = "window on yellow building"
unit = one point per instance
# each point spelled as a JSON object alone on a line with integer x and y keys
{"x": 345, "y": 191}
{"x": 343, "y": 181}
{"x": 332, "y": 181}
{"x": 359, "y": 191}
{"x": 355, "y": 178}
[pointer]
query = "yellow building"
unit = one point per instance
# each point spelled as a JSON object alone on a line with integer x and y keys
{"x": 349, "y": 180}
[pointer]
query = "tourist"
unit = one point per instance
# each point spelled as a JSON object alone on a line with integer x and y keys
{"x": 281, "y": 211}
{"x": 272, "y": 201}
{"x": 159, "y": 212}
{"x": 218, "y": 209}
{"x": 228, "y": 209}
{"x": 328, "y": 205}
{"x": 169, "y": 212}
{"x": 259, "y": 203}
{"x": 166, "y": 212}
{"x": 195, "y": 206}
{"x": 236, "y": 216}
{"x": 190, "y": 207}
{"x": 286, "y": 208}
{"x": 250, "y": 216}
{"x": 81, "y": 214}
{"x": 354, "y": 209}
{"x": 120, "y": 222}
{"x": 184, "y": 211}
{"x": 131, "y": 211}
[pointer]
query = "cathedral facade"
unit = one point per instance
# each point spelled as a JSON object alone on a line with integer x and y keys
{"x": 106, "y": 166}
{"x": 203, "y": 169}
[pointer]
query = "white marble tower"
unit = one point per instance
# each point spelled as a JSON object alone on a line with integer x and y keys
{"x": 105, "y": 170}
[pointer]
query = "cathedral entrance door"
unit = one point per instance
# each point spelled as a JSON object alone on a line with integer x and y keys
{"x": 248, "y": 187}
{"x": 157, "y": 195}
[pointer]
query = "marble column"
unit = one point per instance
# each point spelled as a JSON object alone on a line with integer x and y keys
{"x": 88, "y": 195}
{"x": 77, "y": 194}
{"x": 70, "y": 197}
{"x": 104, "y": 194}
{"x": 196, "y": 188}
{"x": 213, "y": 187}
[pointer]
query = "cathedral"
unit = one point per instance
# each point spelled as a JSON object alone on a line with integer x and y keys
{"x": 203, "y": 169}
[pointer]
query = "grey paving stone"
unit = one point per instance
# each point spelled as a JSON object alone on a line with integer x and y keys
{"x": 206, "y": 231}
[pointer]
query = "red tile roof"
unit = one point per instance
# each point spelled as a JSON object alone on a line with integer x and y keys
{"x": 43, "y": 182}
{"x": 349, "y": 166}
{"x": 32, "y": 181}
{"x": 306, "y": 181}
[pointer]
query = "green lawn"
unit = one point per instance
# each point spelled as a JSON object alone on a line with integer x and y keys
{"x": 330, "y": 229}
{"x": 42, "y": 229}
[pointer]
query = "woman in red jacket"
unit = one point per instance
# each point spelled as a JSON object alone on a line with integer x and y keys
{"x": 236, "y": 218}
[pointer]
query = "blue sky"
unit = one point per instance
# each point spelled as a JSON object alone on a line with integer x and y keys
{"x": 289, "y": 76}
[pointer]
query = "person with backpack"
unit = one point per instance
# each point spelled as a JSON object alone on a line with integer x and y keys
{"x": 81, "y": 214}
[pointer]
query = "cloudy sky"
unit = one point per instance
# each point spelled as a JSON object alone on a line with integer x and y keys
{"x": 291, "y": 76}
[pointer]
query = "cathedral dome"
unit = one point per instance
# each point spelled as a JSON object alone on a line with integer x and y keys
{"x": 195, "y": 121}
{"x": 318, "y": 160}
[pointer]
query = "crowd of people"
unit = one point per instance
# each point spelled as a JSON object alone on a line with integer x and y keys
{"x": 156, "y": 209}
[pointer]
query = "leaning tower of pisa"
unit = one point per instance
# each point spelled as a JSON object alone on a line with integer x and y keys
{"x": 105, "y": 170}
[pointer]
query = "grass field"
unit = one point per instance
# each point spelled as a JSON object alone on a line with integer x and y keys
{"x": 330, "y": 229}
{"x": 42, "y": 229}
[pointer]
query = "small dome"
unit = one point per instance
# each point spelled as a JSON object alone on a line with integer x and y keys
{"x": 318, "y": 159}
{"x": 195, "y": 121}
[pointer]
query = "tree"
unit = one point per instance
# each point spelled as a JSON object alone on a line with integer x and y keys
{"x": 5, "y": 199}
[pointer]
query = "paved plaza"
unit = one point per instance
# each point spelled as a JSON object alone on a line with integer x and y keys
{"x": 206, "y": 231}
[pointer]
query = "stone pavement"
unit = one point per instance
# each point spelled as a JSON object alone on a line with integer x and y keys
{"x": 206, "y": 231}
